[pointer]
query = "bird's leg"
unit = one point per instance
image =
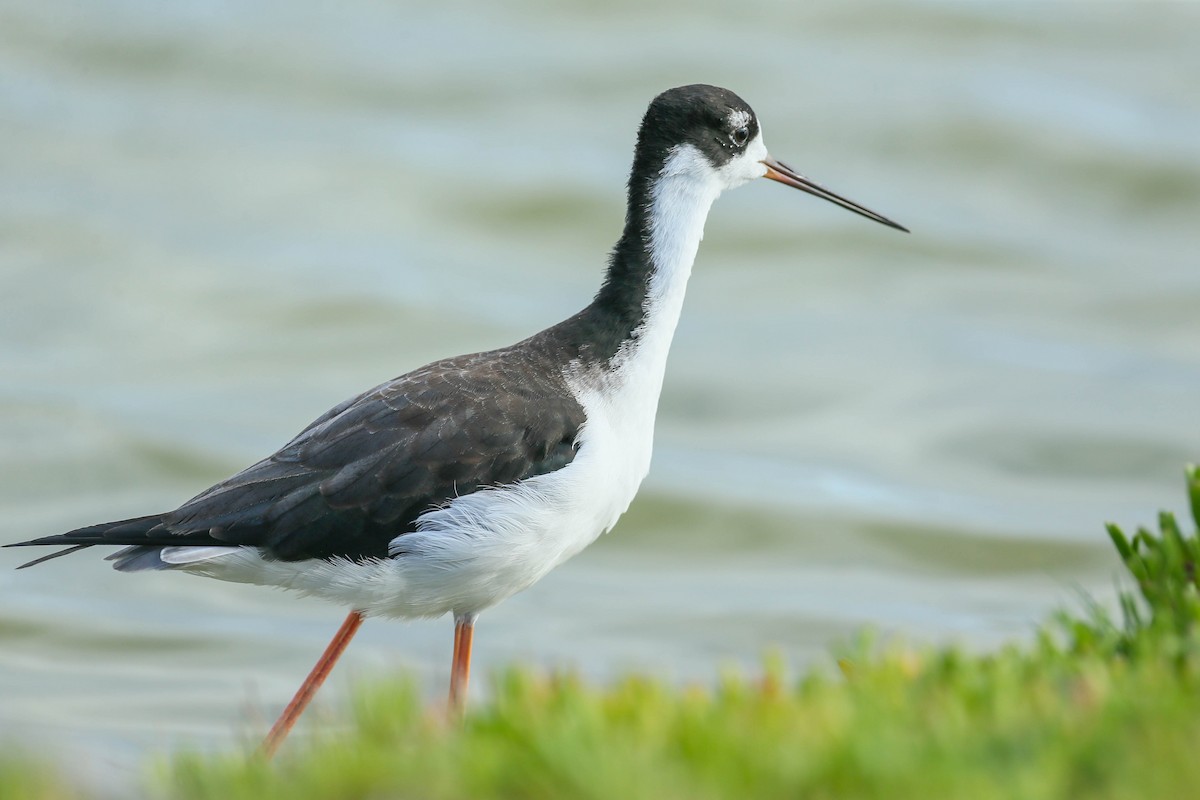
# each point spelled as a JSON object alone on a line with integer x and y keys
{"x": 460, "y": 669}
{"x": 312, "y": 683}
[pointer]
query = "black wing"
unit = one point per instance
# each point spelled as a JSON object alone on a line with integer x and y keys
{"x": 360, "y": 475}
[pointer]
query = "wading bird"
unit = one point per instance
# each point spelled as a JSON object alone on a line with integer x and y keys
{"x": 461, "y": 483}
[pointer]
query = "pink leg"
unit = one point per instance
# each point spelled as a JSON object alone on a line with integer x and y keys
{"x": 312, "y": 683}
{"x": 460, "y": 668}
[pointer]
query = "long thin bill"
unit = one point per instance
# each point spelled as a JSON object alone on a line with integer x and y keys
{"x": 778, "y": 171}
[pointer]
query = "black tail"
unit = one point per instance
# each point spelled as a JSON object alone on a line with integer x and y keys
{"x": 140, "y": 530}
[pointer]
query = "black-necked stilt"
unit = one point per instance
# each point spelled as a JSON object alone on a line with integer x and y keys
{"x": 459, "y": 484}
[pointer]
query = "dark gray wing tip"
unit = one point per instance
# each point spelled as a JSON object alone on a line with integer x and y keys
{"x": 65, "y": 552}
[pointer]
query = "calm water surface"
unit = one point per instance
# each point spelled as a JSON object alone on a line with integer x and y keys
{"x": 219, "y": 219}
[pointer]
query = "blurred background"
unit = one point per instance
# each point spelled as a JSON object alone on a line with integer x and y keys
{"x": 219, "y": 219}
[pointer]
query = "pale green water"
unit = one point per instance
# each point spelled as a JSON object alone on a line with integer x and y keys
{"x": 217, "y": 220}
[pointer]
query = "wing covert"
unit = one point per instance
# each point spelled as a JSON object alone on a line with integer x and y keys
{"x": 360, "y": 475}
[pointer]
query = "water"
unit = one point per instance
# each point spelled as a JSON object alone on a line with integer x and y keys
{"x": 220, "y": 219}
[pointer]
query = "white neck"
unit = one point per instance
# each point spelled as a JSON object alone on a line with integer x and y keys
{"x": 680, "y": 200}
{"x": 620, "y": 397}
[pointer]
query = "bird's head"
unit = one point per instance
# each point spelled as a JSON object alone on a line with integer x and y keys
{"x": 712, "y": 136}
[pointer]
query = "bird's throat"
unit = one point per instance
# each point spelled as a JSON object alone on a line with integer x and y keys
{"x": 647, "y": 277}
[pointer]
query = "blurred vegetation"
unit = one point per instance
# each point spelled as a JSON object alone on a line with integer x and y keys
{"x": 1094, "y": 708}
{"x": 24, "y": 779}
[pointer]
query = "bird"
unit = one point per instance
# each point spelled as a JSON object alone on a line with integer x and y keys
{"x": 454, "y": 486}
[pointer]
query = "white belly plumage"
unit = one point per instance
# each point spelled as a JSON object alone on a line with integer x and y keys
{"x": 483, "y": 547}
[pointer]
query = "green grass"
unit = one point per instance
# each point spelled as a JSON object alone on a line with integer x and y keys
{"x": 24, "y": 779}
{"x": 1094, "y": 708}
{"x": 1050, "y": 723}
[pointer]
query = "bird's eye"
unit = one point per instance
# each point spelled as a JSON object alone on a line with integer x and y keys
{"x": 740, "y": 135}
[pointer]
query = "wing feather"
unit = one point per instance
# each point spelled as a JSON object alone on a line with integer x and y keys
{"x": 359, "y": 475}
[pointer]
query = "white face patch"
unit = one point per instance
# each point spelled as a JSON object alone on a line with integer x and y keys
{"x": 738, "y": 119}
{"x": 686, "y": 161}
{"x": 745, "y": 167}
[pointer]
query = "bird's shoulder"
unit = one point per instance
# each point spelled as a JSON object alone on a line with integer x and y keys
{"x": 447, "y": 416}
